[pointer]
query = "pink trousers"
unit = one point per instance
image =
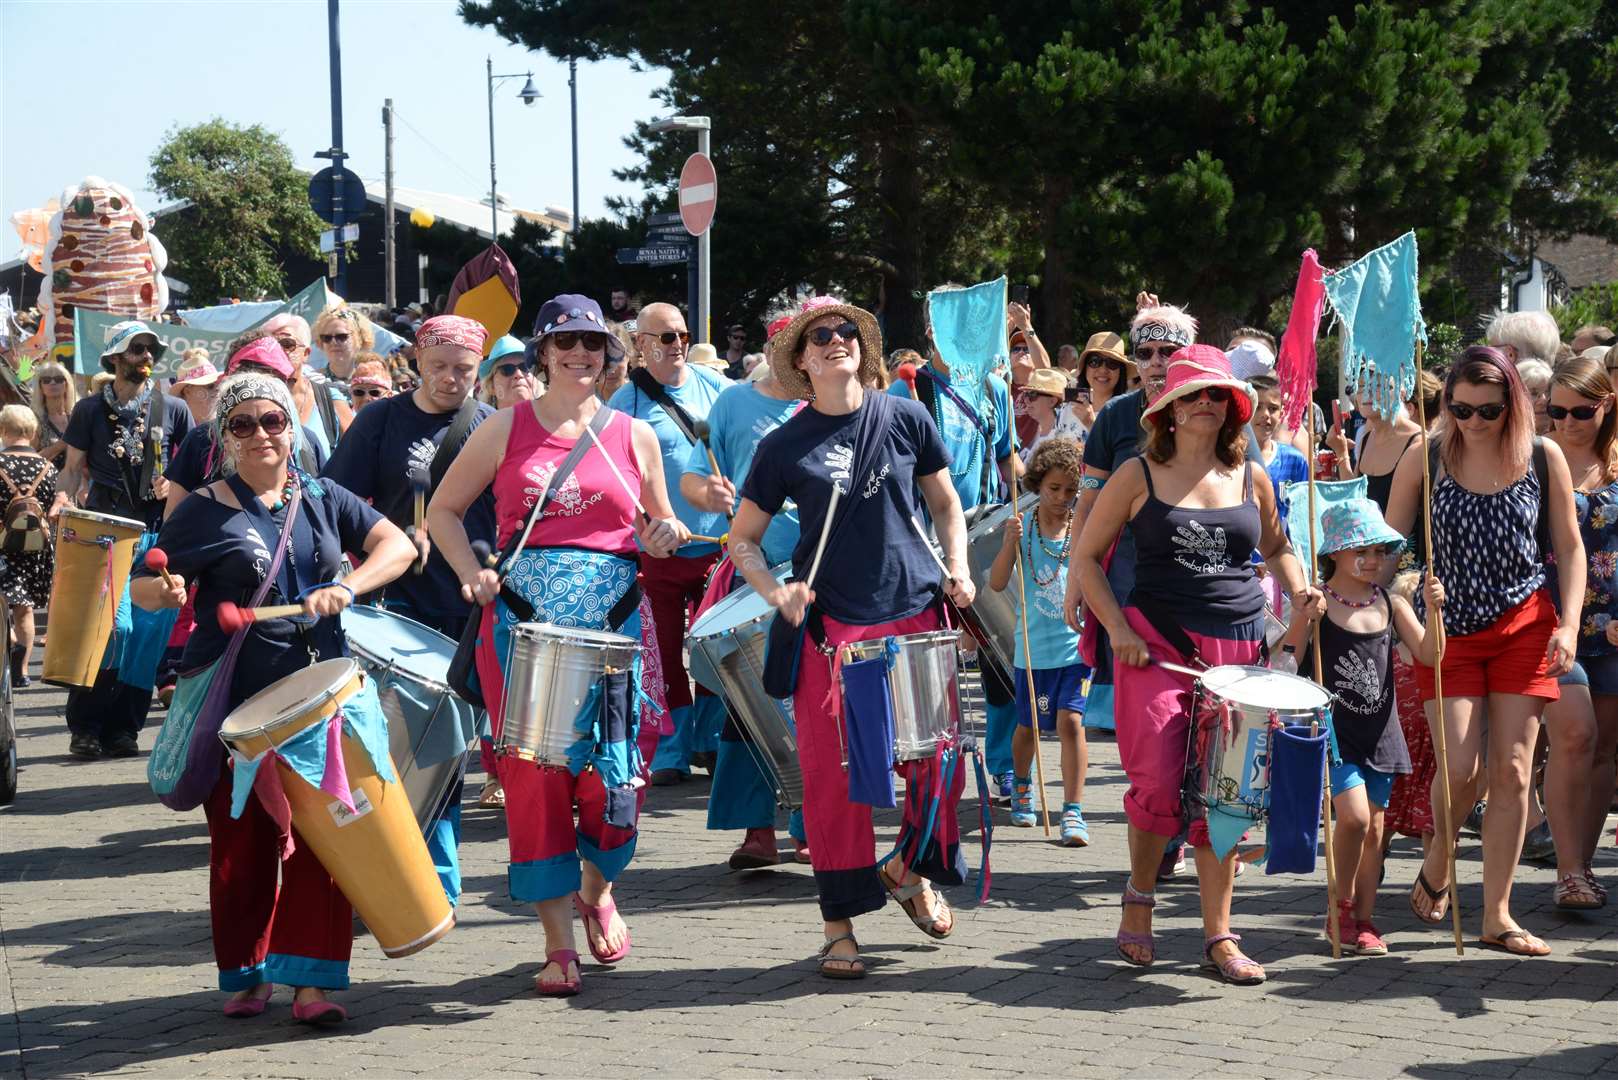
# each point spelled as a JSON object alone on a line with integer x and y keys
{"x": 1152, "y": 708}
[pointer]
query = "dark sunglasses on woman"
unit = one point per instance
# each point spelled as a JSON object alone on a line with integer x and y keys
{"x": 327, "y": 339}
{"x": 52, "y": 380}
{"x": 822, "y": 335}
{"x": 510, "y": 370}
{"x": 1096, "y": 361}
{"x": 594, "y": 340}
{"x": 1216, "y": 394}
{"x": 368, "y": 391}
{"x": 1491, "y": 412}
{"x": 243, "y": 427}
{"x": 1578, "y": 412}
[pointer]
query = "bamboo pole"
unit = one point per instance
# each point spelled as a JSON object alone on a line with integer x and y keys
{"x": 1333, "y": 928}
{"x": 1435, "y": 624}
{"x": 1028, "y": 671}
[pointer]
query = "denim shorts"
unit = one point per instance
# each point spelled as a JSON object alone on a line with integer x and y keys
{"x": 1348, "y": 776}
{"x": 1576, "y": 676}
{"x": 1601, "y": 673}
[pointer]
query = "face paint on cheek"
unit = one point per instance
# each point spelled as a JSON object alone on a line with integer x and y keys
{"x": 1367, "y": 565}
{"x": 814, "y": 366}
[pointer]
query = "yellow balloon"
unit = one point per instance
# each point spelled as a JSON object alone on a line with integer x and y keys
{"x": 422, "y": 217}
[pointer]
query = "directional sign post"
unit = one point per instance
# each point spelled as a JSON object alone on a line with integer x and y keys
{"x": 699, "y": 195}
{"x": 658, "y": 255}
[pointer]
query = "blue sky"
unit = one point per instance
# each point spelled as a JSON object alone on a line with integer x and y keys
{"x": 90, "y": 88}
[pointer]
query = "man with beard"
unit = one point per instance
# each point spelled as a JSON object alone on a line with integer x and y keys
{"x": 119, "y": 442}
{"x": 398, "y": 445}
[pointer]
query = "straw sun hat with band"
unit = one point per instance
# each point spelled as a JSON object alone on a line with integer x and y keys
{"x": 1107, "y": 345}
{"x": 787, "y": 344}
{"x": 1197, "y": 367}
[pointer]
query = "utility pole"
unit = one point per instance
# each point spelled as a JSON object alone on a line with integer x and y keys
{"x": 494, "y": 196}
{"x": 339, "y": 211}
{"x": 390, "y": 278}
{"x": 573, "y": 96}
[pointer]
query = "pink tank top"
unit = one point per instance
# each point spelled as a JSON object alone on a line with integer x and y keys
{"x": 590, "y": 510}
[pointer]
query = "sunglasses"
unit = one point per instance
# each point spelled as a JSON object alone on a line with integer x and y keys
{"x": 361, "y": 391}
{"x": 1557, "y": 412}
{"x": 139, "y": 348}
{"x": 1216, "y": 394}
{"x": 327, "y": 339}
{"x": 243, "y": 427}
{"x": 289, "y": 344}
{"x": 511, "y": 370}
{"x": 1095, "y": 361}
{"x": 595, "y": 340}
{"x": 1147, "y": 354}
{"x": 667, "y": 337}
{"x": 1490, "y": 412}
{"x": 52, "y": 380}
{"x": 822, "y": 335}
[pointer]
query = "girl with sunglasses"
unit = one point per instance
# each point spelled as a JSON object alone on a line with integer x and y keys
{"x": 1500, "y": 499}
{"x": 300, "y": 934}
{"x": 55, "y": 394}
{"x": 1582, "y": 727}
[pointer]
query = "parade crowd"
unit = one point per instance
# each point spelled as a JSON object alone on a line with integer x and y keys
{"x": 605, "y": 483}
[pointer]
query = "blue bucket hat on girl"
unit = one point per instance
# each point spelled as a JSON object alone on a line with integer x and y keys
{"x": 1356, "y": 523}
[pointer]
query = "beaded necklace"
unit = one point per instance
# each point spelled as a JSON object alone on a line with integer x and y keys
{"x": 938, "y": 419}
{"x": 1345, "y": 601}
{"x": 1059, "y": 555}
{"x": 286, "y": 493}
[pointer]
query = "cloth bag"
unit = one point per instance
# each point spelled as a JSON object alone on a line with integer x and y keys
{"x": 1297, "y": 765}
{"x": 868, "y": 707}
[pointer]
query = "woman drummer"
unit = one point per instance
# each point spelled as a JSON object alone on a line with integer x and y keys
{"x": 877, "y": 579}
{"x": 217, "y": 539}
{"x": 1198, "y": 511}
{"x": 577, "y": 564}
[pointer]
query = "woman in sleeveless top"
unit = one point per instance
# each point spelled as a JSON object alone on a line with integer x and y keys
{"x": 1506, "y": 644}
{"x": 576, "y": 566}
{"x": 1197, "y": 516}
{"x": 1385, "y": 443}
{"x": 1582, "y": 727}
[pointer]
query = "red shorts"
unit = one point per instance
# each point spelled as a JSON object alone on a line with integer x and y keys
{"x": 1506, "y": 658}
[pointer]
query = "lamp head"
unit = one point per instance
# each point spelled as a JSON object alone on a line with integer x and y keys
{"x": 529, "y": 92}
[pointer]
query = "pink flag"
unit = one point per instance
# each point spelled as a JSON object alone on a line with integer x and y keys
{"x": 1295, "y": 367}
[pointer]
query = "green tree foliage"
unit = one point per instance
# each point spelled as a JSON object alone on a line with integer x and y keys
{"x": 247, "y": 199}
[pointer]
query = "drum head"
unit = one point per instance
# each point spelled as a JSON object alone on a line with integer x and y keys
{"x": 1261, "y": 688}
{"x": 103, "y": 519}
{"x": 383, "y": 637}
{"x": 739, "y": 608}
{"x": 573, "y": 635}
{"x": 290, "y": 697}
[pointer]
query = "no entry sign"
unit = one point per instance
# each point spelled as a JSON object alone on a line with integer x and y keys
{"x": 699, "y": 193}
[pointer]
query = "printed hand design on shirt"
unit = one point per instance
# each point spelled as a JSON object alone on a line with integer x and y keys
{"x": 420, "y": 455}
{"x": 567, "y": 501}
{"x": 1049, "y": 596}
{"x": 1357, "y": 684}
{"x": 1201, "y": 552}
{"x": 840, "y": 460}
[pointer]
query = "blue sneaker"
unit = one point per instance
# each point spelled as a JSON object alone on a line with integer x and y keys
{"x": 1022, "y": 805}
{"x": 1003, "y": 785}
{"x": 1075, "y": 833}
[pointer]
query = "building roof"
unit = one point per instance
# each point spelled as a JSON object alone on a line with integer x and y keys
{"x": 1583, "y": 260}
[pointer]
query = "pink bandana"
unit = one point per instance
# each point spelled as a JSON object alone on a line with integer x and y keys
{"x": 452, "y": 330}
{"x": 264, "y": 351}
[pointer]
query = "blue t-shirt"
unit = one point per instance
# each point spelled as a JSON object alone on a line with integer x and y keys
{"x": 738, "y": 421}
{"x": 1053, "y": 642}
{"x": 189, "y": 469}
{"x": 696, "y": 396}
{"x": 374, "y": 457}
{"x": 226, "y": 552}
{"x": 875, "y": 569}
{"x": 962, "y": 437}
{"x": 1288, "y": 466}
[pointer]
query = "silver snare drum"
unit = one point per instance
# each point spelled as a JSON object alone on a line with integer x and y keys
{"x": 727, "y": 655}
{"x": 1235, "y": 709}
{"x": 994, "y": 611}
{"x": 922, "y": 685}
{"x": 550, "y": 671}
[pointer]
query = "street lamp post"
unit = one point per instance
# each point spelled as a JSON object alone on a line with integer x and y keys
{"x": 529, "y": 94}
{"x": 704, "y": 129}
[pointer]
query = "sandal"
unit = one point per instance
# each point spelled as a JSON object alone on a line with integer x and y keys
{"x": 855, "y": 968}
{"x": 1237, "y": 969}
{"x": 1596, "y": 887}
{"x": 1134, "y": 938}
{"x": 602, "y": 915}
{"x": 1573, "y": 893}
{"x": 1517, "y": 942}
{"x": 493, "y": 795}
{"x": 909, "y": 898}
{"x": 1435, "y": 914}
{"x": 565, "y": 987}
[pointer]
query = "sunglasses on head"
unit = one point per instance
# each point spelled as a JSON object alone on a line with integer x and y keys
{"x": 822, "y": 335}
{"x": 327, "y": 339}
{"x": 1216, "y": 394}
{"x": 594, "y": 340}
{"x": 1493, "y": 411}
{"x": 1096, "y": 360}
{"x": 139, "y": 348}
{"x": 1578, "y": 412}
{"x": 52, "y": 380}
{"x": 243, "y": 427}
{"x": 368, "y": 391}
{"x": 511, "y": 370}
{"x": 667, "y": 337}
{"x": 1147, "y": 353}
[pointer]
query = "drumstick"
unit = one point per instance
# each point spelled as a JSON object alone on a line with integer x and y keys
{"x": 419, "y": 480}
{"x": 1028, "y": 658}
{"x": 825, "y": 531}
{"x": 158, "y": 560}
{"x": 232, "y": 617}
{"x": 928, "y": 544}
{"x": 698, "y": 538}
{"x": 703, "y": 432}
{"x": 633, "y": 496}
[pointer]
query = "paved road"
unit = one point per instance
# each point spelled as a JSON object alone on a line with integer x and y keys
{"x": 105, "y": 966}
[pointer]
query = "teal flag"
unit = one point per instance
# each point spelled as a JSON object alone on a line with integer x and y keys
{"x": 969, "y": 331}
{"x": 1378, "y": 309}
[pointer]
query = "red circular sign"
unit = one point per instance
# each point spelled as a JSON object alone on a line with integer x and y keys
{"x": 699, "y": 193}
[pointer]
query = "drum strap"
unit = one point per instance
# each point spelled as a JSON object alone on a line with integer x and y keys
{"x": 1171, "y": 630}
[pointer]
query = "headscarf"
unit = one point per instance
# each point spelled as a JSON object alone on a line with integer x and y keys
{"x": 452, "y": 330}
{"x": 253, "y": 386}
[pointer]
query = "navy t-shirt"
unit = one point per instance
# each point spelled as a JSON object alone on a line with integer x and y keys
{"x": 226, "y": 553}
{"x": 875, "y": 569}
{"x": 90, "y": 430}
{"x": 373, "y": 459}
{"x": 189, "y": 469}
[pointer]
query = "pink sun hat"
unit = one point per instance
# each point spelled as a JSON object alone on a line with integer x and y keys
{"x": 201, "y": 373}
{"x": 1197, "y": 366}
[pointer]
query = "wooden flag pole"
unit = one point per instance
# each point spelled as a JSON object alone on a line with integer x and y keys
{"x": 1333, "y": 929}
{"x": 1435, "y": 625}
{"x": 1028, "y": 671}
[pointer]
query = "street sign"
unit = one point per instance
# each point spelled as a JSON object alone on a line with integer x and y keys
{"x": 655, "y": 221}
{"x": 320, "y": 194}
{"x": 699, "y": 192}
{"x": 661, "y": 255}
{"x": 328, "y": 239}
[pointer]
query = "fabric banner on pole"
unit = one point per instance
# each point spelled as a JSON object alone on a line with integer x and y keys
{"x": 1296, "y": 366}
{"x": 1378, "y": 310}
{"x": 90, "y": 337}
{"x": 969, "y": 330}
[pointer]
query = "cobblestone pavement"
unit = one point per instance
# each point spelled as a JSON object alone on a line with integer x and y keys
{"x": 105, "y": 965}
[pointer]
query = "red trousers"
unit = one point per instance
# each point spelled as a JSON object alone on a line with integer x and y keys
{"x": 674, "y": 587}
{"x": 300, "y": 934}
{"x": 546, "y": 843}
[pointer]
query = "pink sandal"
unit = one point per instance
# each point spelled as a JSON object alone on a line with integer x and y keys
{"x": 1145, "y": 941}
{"x": 566, "y": 987}
{"x": 1238, "y": 970}
{"x": 602, "y": 916}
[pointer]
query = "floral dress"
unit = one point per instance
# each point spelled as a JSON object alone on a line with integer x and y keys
{"x": 1598, "y": 528}
{"x": 25, "y": 577}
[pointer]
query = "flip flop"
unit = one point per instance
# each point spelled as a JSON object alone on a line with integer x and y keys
{"x": 560, "y": 987}
{"x": 908, "y": 897}
{"x": 827, "y": 958}
{"x": 1503, "y": 943}
{"x": 1437, "y": 914}
{"x": 602, "y": 916}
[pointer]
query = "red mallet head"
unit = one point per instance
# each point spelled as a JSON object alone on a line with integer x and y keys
{"x": 232, "y": 617}
{"x": 907, "y": 372}
{"x": 157, "y": 560}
